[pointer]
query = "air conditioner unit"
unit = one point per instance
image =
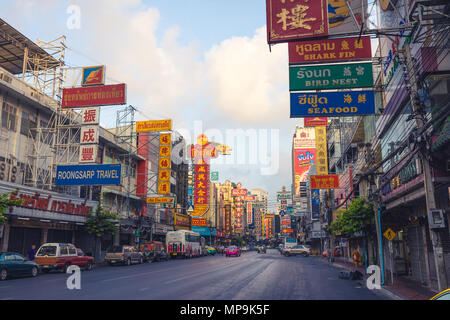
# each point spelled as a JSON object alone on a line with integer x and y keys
{"x": 14, "y": 177}
{"x": 5, "y": 77}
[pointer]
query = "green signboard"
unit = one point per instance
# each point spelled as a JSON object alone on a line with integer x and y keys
{"x": 215, "y": 176}
{"x": 334, "y": 76}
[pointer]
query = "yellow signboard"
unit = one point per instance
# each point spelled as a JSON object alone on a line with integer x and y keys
{"x": 164, "y": 151}
{"x": 164, "y": 163}
{"x": 164, "y": 187}
{"x": 165, "y": 139}
{"x": 389, "y": 234}
{"x": 321, "y": 151}
{"x": 164, "y": 175}
{"x": 160, "y": 200}
{"x": 199, "y": 210}
{"x": 157, "y": 125}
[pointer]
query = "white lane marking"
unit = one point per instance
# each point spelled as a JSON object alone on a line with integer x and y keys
{"x": 143, "y": 289}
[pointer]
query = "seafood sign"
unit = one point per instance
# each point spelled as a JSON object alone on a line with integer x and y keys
{"x": 332, "y": 104}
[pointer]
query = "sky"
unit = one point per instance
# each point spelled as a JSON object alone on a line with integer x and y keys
{"x": 203, "y": 63}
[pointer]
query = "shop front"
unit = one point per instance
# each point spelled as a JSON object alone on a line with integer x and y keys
{"x": 44, "y": 216}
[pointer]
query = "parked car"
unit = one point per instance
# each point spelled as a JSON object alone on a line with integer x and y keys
{"x": 261, "y": 249}
{"x": 232, "y": 251}
{"x": 210, "y": 250}
{"x": 14, "y": 265}
{"x": 297, "y": 250}
{"x": 245, "y": 249}
{"x": 153, "y": 251}
{"x": 123, "y": 255}
{"x": 60, "y": 256}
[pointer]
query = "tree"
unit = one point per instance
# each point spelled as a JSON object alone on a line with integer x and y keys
{"x": 5, "y": 203}
{"x": 358, "y": 218}
{"x": 101, "y": 223}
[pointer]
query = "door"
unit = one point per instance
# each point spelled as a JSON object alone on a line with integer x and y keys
{"x": 12, "y": 266}
{"x": 22, "y": 267}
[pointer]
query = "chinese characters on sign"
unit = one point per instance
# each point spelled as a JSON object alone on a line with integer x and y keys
{"x": 325, "y": 182}
{"x": 89, "y": 135}
{"x": 330, "y": 50}
{"x": 295, "y": 19}
{"x": 165, "y": 163}
{"x": 335, "y": 104}
{"x": 321, "y": 150}
{"x": 90, "y": 115}
{"x": 88, "y": 153}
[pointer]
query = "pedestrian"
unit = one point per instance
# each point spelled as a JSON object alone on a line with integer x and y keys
{"x": 32, "y": 252}
{"x": 356, "y": 258}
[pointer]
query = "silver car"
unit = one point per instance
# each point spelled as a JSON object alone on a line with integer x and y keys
{"x": 123, "y": 255}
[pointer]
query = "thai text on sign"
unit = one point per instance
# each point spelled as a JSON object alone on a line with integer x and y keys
{"x": 157, "y": 125}
{"x": 330, "y": 50}
{"x": 325, "y": 181}
{"x": 348, "y": 103}
{"x": 94, "y": 96}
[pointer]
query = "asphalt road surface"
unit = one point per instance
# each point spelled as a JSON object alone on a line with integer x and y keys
{"x": 251, "y": 276}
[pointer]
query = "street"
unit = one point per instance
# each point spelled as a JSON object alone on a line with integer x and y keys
{"x": 251, "y": 276}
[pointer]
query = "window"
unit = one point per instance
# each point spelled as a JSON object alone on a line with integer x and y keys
{"x": 47, "y": 251}
{"x": 64, "y": 251}
{"x": 72, "y": 251}
{"x": 28, "y": 122}
{"x": 9, "y": 257}
{"x": 18, "y": 257}
{"x": 9, "y": 116}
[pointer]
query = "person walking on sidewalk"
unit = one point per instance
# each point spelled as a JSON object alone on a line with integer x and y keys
{"x": 356, "y": 258}
{"x": 32, "y": 252}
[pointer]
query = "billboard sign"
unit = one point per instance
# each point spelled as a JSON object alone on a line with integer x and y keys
{"x": 93, "y": 76}
{"x": 87, "y": 174}
{"x": 291, "y": 20}
{"x": 321, "y": 150}
{"x": 315, "y": 204}
{"x": 199, "y": 222}
{"x": 334, "y": 76}
{"x": 313, "y": 122}
{"x": 330, "y": 181}
{"x": 94, "y": 96}
{"x": 332, "y": 104}
{"x": 330, "y": 50}
{"x": 238, "y": 192}
{"x": 90, "y": 115}
{"x": 156, "y": 125}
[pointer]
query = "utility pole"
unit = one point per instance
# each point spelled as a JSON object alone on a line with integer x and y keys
{"x": 428, "y": 182}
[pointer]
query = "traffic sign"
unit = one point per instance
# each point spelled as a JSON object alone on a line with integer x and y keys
{"x": 190, "y": 208}
{"x": 389, "y": 234}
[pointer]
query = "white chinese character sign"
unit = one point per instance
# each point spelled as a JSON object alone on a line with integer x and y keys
{"x": 89, "y": 135}
{"x": 88, "y": 153}
{"x": 90, "y": 115}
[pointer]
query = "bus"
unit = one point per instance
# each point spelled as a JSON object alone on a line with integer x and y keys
{"x": 184, "y": 243}
{"x": 289, "y": 242}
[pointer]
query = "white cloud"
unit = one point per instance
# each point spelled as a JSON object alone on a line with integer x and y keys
{"x": 247, "y": 82}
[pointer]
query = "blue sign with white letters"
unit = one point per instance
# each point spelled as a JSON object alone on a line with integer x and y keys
{"x": 332, "y": 104}
{"x": 88, "y": 175}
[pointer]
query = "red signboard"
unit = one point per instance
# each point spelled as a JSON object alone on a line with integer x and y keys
{"x": 198, "y": 222}
{"x": 238, "y": 192}
{"x": 94, "y": 96}
{"x": 330, "y": 50}
{"x": 315, "y": 122}
{"x": 296, "y": 19}
{"x": 329, "y": 181}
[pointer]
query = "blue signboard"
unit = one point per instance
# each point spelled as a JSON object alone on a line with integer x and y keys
{"x": 315, "y": 204}
{"x": 204, "y": 231}
{"x": 190, "y": 191}
{"x": 332, "y": 104}
{"x": 88, "y": 175}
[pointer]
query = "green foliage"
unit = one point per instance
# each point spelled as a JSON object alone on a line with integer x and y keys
{"x": 359, "y": 217}
{"x": 102, "y": 222}
{"x": 6, "y": 202}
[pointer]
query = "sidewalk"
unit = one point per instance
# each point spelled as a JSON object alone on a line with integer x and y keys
{"x": 403, "y": 288}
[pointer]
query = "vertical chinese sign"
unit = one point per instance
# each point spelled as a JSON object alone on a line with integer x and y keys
{"x": 89, "y": 135}
{"x": 165, "y": 163}
{"x": 201, "y": 153}
{"x": 321, "y": 150}
{"x": 238, "y": 199}
{"x": 296, "y": 19}
{"x": 227, "y": 209}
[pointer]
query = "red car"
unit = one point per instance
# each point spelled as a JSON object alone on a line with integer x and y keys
{"x": 59, "y": 256}
{"x": 232, "y": 251}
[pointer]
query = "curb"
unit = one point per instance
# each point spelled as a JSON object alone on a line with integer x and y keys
{"x": 382, "y": 291}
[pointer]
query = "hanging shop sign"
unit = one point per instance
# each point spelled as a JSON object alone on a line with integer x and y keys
{"x": 330, "y": 181}
{"x": 321, "y": 150}
{"x": 330, "y": 50}
{"x": 181, "y": 221}
{"x": 93, "y": 76}
{"x": 156, "y": 125}
{"x": 227, "y": 211}
{"x": 215, "y": 176}
{"x": 152, "y": 200}
{"x": 165, "y": 163}
{"x": 336, "y": 104}
{"x": 315, "y": 204}
{"x": 317, "y": 121}
{"x": 335, "y": 76}
{"x": 199, "y": 222}
{"x": 291, "y": 20}
{"x": 238, "y": 192}
{"x": 85, "y": 175}
{"x": 94, "y": 96}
